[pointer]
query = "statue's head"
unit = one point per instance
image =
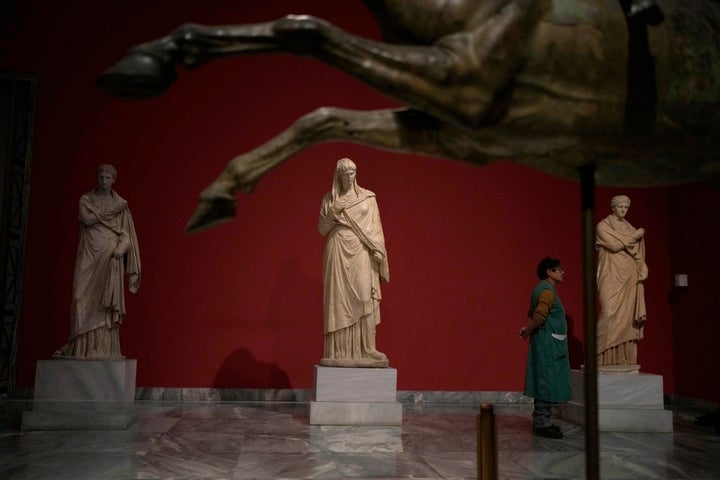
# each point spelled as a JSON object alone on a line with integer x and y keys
{"x": 345, "y": 164}
{"x": 344, "y": 174}
{"x": 620, "y": 206}
{"x": 107, "y": 168}
{"x": 617, "y": 200}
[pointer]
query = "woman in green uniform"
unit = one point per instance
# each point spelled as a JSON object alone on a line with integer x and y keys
{"x": 547, "y": 377}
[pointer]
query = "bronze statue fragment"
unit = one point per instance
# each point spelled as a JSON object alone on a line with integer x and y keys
{"x": 630, "y": 87}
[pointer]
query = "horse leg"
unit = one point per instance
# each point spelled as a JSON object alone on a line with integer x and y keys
{"x": 457, "y": 78}
{"x": 148, "y": 69}
{"x": 403, "y": 130}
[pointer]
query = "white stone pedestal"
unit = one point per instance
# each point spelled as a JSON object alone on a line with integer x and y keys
{"x": 355, "y": 396}
{"x": 83, "y": 395}
{"x": 626, "y": 403}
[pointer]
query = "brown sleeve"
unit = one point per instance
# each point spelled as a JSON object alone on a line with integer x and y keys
{"x": 545, "y": 302}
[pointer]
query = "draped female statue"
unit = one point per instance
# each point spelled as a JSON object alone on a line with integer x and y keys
{"x": 354, "y": 264}
{"x": 620, "y": 275}
{"x": 107, "y": 250}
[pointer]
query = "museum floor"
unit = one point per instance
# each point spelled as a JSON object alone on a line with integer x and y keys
{"x": 218, "y": 440}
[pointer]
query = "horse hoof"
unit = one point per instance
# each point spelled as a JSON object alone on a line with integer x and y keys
{"x": 139, "y": 75}
{"x": 211, "y": 211}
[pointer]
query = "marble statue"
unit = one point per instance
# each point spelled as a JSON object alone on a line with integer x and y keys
{"x": 107, "y": 251}
{"x": 554, "y": 85}
{"x": 620, "y": 275}
{"x": 355, "y": 262}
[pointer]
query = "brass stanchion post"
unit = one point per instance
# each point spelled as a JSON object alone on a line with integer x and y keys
{"x": 487, "y": 453}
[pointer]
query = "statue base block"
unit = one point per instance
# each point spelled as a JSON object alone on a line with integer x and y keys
{"x": 626, "y": 403}
{"x": 355, "y": 396}
{"x": 83, "y": 395}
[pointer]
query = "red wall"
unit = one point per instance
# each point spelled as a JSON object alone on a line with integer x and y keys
{"x": 695, "y": 237}
{"x": 240, "y": 305}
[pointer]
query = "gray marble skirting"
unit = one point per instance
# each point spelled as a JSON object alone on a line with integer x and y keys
{"x": 254, "y": 395}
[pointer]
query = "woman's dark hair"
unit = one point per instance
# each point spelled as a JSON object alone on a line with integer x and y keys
{"x": 546, "y": 264}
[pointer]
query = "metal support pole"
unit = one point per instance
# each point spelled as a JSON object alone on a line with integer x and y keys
{"x": 592, "y": 463}
{"x": 487, "y": 453}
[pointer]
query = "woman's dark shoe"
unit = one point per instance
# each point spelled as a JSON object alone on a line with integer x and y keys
{"x": 548, "y": 432}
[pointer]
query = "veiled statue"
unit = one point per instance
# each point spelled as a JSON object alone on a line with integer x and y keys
{"x": 621, "y": 292}
{"x": 355, "y": 262}
{"x": 107, "y": 252}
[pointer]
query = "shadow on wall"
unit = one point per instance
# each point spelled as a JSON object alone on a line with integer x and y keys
{"x": 240, "y": 369}
{"x": 295, "y": 316}
{"x": 575, "y": 346}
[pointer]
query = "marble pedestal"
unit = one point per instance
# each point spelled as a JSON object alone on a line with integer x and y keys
{"x": 355, "y": 396}
{"x": 626, "y": 403}
{"x": 83, "y": 395}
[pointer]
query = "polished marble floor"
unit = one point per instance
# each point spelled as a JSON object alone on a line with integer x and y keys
{"x": 226, "y": 440}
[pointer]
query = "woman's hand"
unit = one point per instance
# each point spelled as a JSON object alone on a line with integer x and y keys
{"x": 524, "y": 333}
{"x": 527, "y": 329}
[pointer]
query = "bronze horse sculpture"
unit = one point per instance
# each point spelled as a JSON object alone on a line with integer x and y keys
{"x": 553, "y": 84}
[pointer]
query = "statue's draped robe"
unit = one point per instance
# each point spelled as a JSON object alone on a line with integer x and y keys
{"x": 621, "y": 271}
{"x": 351, "y": 293}
{"x": 98, "y": 298}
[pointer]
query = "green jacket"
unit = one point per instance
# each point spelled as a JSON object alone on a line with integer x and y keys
{"x": 547, "y": 376}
